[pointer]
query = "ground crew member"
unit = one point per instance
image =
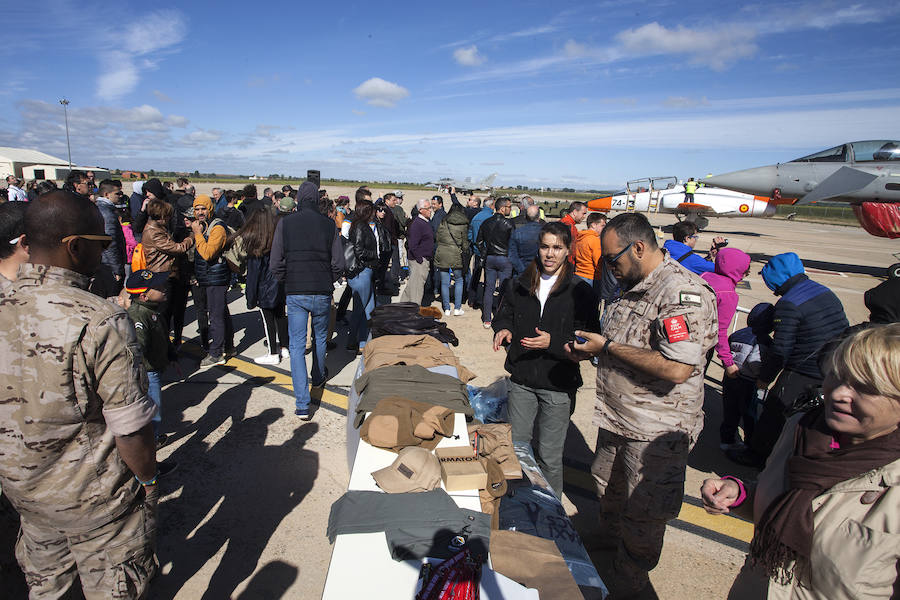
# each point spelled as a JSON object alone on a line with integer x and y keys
{"x": 77, "y": 455}
{"x": 689, "y": 188}
{"x": 652, "y": 354}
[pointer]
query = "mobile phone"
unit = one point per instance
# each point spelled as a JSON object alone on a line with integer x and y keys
{"x": 580, "y": 339}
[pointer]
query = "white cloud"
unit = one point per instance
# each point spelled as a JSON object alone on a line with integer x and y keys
{"x": 468, "y": 56}
{"x": 716, "y": 47}
{"x": 162, "y": 97}
{"x": 378, "y": 92}
{"x": 123, "y": 59}
{"x": 199, "y": 137}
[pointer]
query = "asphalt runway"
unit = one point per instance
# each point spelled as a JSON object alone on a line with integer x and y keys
{"x": 244, "y": 515}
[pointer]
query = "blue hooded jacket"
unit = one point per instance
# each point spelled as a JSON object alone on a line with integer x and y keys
{"x": 807, "y": 316}
{"x": 781, "y": 268}
{"x": 693, "y": 262}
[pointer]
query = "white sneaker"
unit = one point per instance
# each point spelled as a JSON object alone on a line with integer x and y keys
{"x": 285, "y": 353}
{"x": 486, "y": 325}
{"x": 458, "y": 312}
{"x": 447, "y": 313}
{"x": 268, "y": 359}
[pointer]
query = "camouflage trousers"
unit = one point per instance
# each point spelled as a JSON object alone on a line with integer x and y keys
{"x": 640, "y": 486}
{"x": 116, "y": 560}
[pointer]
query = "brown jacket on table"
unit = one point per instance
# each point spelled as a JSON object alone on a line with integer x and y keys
{"x": 398, "y": 423}
{"x": 494, "y": 440}
{"x": 856, "y": 534}
{"x": 160, "y": 250}
{"x": 535, "y": 563}
{"x": 421, "y": 350}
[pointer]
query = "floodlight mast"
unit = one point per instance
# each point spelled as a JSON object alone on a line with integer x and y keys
{"x": 65, "y": 104}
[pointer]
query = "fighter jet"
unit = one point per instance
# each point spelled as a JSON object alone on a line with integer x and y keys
{"x": 865, "y": 174}
{"x": 466, "y": 186}
{"x": 666, "y": 195}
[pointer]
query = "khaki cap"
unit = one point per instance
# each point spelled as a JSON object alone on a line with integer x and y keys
{"x": 415, "y": 470}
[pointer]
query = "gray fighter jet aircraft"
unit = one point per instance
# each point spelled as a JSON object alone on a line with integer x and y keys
{"x": 466, "y": 186}
{"x": 865, "y": 174}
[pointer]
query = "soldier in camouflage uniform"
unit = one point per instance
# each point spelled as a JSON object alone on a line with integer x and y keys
{"x": 649, "y": 408}
{"x": 77, "y": 456}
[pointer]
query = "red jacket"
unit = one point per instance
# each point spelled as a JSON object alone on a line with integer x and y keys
{"x": 568, "y": 220}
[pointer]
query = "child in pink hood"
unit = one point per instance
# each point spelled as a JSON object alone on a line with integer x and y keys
{"x": 731, "y": 267}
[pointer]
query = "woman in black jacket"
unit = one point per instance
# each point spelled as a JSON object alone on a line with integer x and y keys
{"x": 371, "y": 245}
{"x": 537, "y": 317}
{"x": 264, "y": 291}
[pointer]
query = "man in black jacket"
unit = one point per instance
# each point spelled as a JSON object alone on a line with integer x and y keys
{"x": 493, "y": 244}
{"x": 308, "y": 257}
{"x": 110, "y": 277}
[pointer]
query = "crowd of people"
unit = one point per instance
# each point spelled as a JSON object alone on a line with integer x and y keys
{"x": 100, "y": 283}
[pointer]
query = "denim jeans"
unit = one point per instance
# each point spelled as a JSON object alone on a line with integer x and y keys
{"x": 457, "y": 288}
{"x": 154, "y": 390}
{"x": 299, "y": 309}
{"x": 221, "y": 328}
{"x": 363, "y": 304}
{"x": 497, "y": 269}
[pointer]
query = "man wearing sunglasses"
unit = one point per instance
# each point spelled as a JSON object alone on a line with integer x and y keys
{"x": 77, "y": 455}
{"x": 649, "y": 409}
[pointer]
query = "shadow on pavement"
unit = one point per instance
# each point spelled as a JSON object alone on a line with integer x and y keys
{"x": 827, "y": 266}
{"x": 235, "y": 491}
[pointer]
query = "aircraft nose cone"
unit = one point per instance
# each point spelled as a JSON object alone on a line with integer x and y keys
{"x": 759, "y": 181}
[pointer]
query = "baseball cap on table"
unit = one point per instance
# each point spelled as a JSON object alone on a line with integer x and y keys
{"x": 287, "y": 204}
{"x": 143, "y": 280}
{"x": 415, "y": 470}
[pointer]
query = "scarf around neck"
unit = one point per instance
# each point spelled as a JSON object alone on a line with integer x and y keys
{"x": 782, "y": 541}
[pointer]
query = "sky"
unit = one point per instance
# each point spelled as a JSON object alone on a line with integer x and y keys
{"x": 582, "y": 95}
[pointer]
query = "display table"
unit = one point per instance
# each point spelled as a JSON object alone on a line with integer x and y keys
{"x": 361, "y": 565}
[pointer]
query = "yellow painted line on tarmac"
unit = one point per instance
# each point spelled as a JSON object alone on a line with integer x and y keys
{"x": 730, "y": 526}
{"x": 284, "y": 381}
{"x": 723, "y": 524}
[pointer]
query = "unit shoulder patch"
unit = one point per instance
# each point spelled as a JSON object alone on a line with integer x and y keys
{"x": 689, "y": 299}
{"x": 676, "y": 329}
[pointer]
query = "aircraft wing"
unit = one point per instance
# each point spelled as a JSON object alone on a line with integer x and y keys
{"x": 840, "y": 183}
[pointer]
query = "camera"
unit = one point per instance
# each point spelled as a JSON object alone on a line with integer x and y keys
{"x": 721, "y": 245}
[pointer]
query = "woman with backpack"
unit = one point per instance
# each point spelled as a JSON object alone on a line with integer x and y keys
{"x": 161, "y": 253}
{"x": 264, "y": 291}
{"x": 370, "y": 246}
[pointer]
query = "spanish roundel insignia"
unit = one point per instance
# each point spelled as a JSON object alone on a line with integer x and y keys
{"x": 676, "y": 329}
{"x": 744, "y": 208}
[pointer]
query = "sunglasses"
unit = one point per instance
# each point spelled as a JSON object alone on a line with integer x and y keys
{"x": 104, "y": 239}
{"x": 612, "y": 259}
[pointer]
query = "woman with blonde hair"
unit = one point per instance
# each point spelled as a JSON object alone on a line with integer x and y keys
{"x": 827, "y": 506}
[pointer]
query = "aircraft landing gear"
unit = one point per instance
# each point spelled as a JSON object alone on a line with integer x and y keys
{"x": 700, "y": 221}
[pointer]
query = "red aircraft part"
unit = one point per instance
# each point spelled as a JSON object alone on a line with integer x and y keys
{"x": 879, "y": 218}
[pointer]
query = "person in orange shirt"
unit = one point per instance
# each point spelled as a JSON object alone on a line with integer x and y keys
{"x": 587, "y": 248}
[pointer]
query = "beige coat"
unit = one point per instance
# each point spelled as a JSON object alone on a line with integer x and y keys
{"x": 856, "y": 546}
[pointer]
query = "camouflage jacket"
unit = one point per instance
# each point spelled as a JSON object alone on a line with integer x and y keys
{"x": 673, "y": 312}
{"x": 72, "y": 380}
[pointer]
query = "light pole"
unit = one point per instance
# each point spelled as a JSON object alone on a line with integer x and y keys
{"x": 65, "y": 104}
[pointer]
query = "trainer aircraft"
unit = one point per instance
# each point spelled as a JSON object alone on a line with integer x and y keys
{"x": 666, "y": 195}
{"x": 865, "y": 174}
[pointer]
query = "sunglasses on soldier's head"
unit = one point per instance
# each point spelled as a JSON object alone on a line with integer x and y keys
{"x": 104, "y": 239}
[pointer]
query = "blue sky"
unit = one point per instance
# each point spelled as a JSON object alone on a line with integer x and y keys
{"x": 581, "y": 95}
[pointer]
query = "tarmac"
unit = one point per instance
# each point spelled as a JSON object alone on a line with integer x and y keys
{"x": 245, "y": 513}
